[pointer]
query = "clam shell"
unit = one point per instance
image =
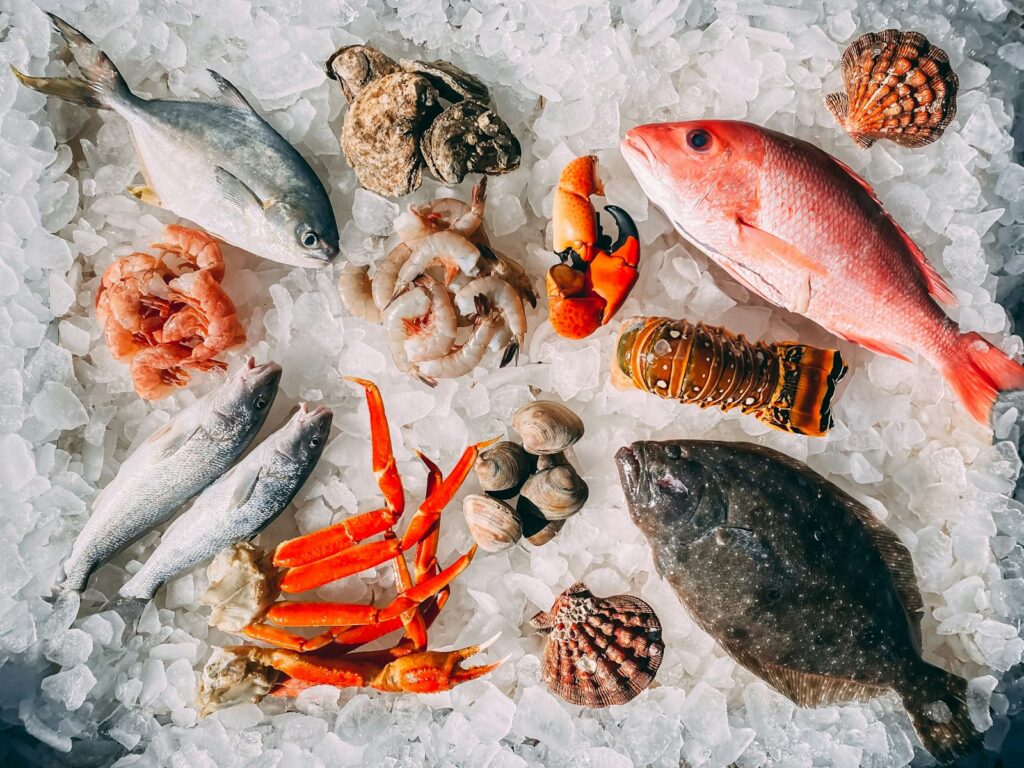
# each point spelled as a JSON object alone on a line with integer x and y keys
{"x": 536, "y": 529}
{"x": 503, "y": 468}
{"x": 898, "y": 87}
{"x": 547, "y": 427}
{"x": 493, "y": 524}
{"x": 556, "y": 493}
{"x": 600, "y": 651}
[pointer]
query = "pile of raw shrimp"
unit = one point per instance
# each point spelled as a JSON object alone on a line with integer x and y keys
{"x": 168, "y": 314}
{"x": 443, "y": 295}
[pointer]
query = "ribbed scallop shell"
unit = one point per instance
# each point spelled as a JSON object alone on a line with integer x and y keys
{"x": 600, "y": 650}
{"x": 898, "y": 87}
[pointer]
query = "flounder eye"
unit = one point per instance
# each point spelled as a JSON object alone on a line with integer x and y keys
{"x": 310, "y": 239}
{"x": 698, "y": 139}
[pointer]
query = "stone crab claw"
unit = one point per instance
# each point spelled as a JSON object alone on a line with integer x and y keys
{"x": 596, "y": 274}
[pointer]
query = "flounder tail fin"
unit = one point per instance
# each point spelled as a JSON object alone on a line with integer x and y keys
{"x": 938, "y": 709}
{"x": 102, "y": 86}
{"x": 977, "y": 371}
{"x": 802, "y": 402}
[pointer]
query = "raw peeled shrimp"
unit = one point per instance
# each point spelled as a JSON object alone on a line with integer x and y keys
{"x": 509, "y": 270}
{"x": 209, "y": 315}
{"x": 445, "y": 249}
{"x": 386, "y": 276}
{"x": 356, "y": 292}
{"x": 465, "y": 358}
{"x": 500, "y": 298}
{"x": 445, "y": 213}
{"x": 422, "y": 321}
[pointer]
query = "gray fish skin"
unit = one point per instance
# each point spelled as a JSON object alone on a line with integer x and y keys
{"x": 240, "y": 504}
{"x": 219, "y": 164}
{"x": 175, "y": 463}
{"x": 792, "y": 577}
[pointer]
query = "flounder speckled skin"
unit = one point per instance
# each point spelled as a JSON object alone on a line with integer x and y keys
{"x": 600, "y": 650}
{"x": 898, "y": 87}
{"x": 796, "y": 580}
{"x": 396, "y": 123}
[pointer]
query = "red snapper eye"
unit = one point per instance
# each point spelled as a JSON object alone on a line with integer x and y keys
{"x": 698, "y": 139}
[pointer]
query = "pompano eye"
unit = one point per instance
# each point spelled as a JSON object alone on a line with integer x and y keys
{"x": 698, "y": 139}
{"x": 310, "y": 239}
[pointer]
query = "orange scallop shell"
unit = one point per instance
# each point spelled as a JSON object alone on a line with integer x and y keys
{"x": 898, "y": 87}
{"x": 600, "y": 650}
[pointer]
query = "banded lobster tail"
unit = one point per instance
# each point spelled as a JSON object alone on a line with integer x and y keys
{"x": 785, "y": 385}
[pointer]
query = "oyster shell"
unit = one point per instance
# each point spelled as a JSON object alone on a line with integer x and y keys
{"x": 503, "y": 468}
{"x": 547, "y": 427}
{"x": 241, "y": 587}
{"x": 555, "y": 493}
{"x": 356, "y": 66}
{"x": 469, "y": 137}
{"x": 454, "y": 84}
{"x": 599, "y": 651}
{"x": 380, "y": 134}
{"x": 231, "y": 677}
{"x": 493, "y": 524}
{"x": 898, "y": 87}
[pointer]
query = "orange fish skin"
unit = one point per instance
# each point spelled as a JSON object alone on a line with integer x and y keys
{"x": 796, "y": 226}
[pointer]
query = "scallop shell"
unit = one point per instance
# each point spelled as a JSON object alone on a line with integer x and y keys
{"x": 503, "y": 468}
{"x": 493, "y": 524}
{"x": 547, "y": 427}
{"x": 898, "y": 87}
{"x": 600, "y": 651}
{"x": 555, "y": 493}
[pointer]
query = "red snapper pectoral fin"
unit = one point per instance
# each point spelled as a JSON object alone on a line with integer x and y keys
{"x": 875, "y": 346}
{"x": 766, "y": 246}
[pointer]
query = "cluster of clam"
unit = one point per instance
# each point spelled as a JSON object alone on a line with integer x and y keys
{"x": 396, "y": 123}
{"x": 539, "y": 472}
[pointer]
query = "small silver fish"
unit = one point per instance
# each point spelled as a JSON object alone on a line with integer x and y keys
{"x": 219, "y": 164}
{"x": 240, "y": 504}
{"x": 174, "y": 464}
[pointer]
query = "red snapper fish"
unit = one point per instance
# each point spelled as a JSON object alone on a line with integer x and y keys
{"x": 801, "y": 229}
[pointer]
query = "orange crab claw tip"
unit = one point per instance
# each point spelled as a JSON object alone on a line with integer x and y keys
{"x": 472, "y": 673}
{"x": 490, "y": 441}
{"x": 357, "y": 380}
{"x": 473, "y": 650}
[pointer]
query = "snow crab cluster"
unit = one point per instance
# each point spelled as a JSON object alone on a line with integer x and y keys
{"x": 441, "y": 282}
{"x": 245, "y": 585}
{"x": 168, "y": 314}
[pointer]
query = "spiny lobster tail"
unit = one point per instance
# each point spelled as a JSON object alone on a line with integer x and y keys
{"x": 787, "y": 386}
{"x": 807, "y": 382}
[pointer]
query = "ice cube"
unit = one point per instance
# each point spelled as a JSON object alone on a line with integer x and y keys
{"x": 70, "y": 687}
{"x": 540, "y": 716}
{"x": 373, "y": 214}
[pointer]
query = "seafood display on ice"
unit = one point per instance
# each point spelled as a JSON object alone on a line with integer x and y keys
{"x": 539, "y": 472}
{"x": 786, "y": 385}
{"x": 599, "y": 650}
{"x": 443, "y": 295}
{"x": 187, "y": 454}
{"x": 244, "y": 587}
{"x": 396, "y": 123}
{"x": 168, "y": 314}
{"x": 898, "y": 86}
{"x": 240, "y": 504}
{"x": 796, "y": 226}
{"x": 595, "y": 275}
{"x": 795, "y": 579}
{"x": 219, "y": 164}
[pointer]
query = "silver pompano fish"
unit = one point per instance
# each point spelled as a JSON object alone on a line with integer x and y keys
{"x": 175, "y": 463}
{"x": 219, "y": 164}
{"x": 795, "y": 579}
{"x": 240, "y": 504}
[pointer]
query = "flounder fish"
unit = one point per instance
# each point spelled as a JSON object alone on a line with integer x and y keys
{"x": 219, "y": 164}
{"x": 795, "y": 579}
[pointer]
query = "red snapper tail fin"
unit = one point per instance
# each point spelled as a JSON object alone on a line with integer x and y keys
{"x": 977, "y": 371}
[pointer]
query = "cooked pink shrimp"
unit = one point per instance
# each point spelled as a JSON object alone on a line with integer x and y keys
{"x": 208, "y": 315}
{"x": 195, "y": 248}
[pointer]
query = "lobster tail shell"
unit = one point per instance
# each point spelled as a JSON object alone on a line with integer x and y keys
{"x": 898, "y": 87}
{"x": 785, "y": 385}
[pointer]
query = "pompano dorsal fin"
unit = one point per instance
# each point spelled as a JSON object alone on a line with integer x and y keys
{"x": 229, "y": 95}
{"x": 776, "y": 250}
{"x": 807, "y": 689}
{"x": 936, "y": 286}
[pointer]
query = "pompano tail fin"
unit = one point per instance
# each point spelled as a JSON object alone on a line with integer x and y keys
{"x": 102, "y": 86}
{"x": 802, "y": 402}
{"x": 937, "y": 706}
{"x": 977, "y": 371}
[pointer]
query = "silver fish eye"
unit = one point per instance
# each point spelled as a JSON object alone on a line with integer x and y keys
{"x": 314, "y": 442}
{"x": 310, "y": 239}
{"x": 260, "y": 403}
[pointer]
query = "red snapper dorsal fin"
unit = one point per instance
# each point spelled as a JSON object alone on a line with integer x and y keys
{"x": 933, "y": 280}
{"x": 772, "y": 248}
